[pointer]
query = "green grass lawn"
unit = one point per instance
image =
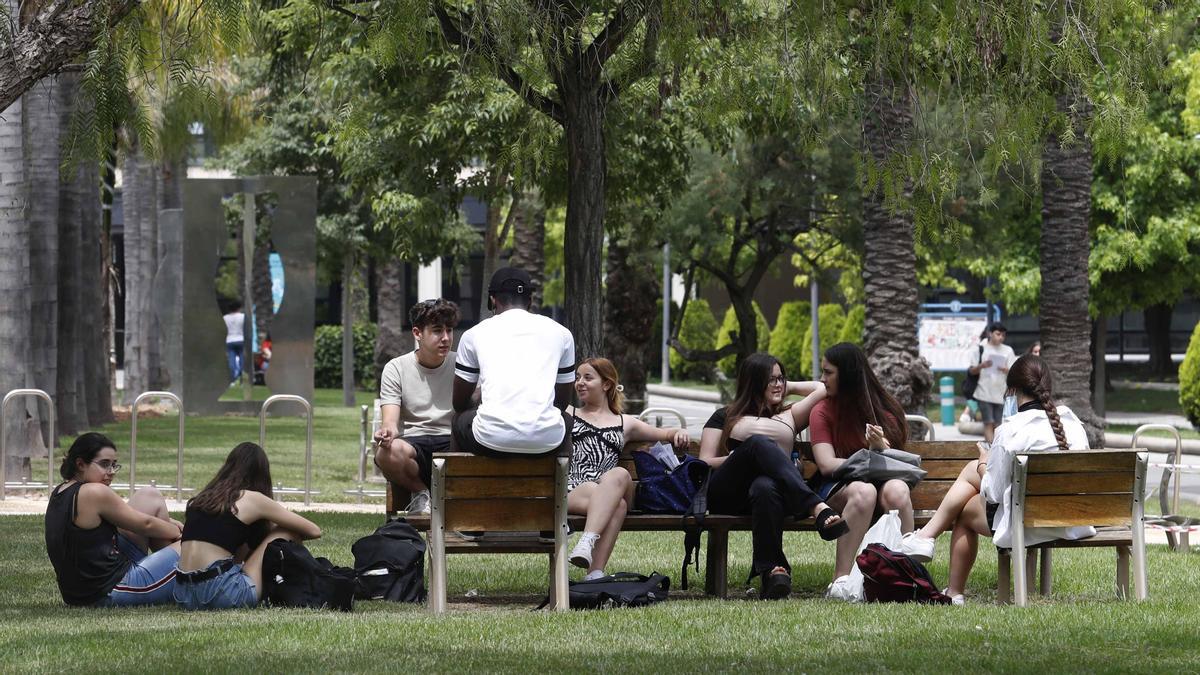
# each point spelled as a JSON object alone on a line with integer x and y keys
{"x": 1130, "y": 428}
{"x": 1143, "y": 400}
{"x": 1082, "y": 628}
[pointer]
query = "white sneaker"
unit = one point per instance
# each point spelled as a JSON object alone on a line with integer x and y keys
{"x": 581, "y": 555}
{"x": 843, "y": 589}
{"x": 419, "y": 505}
{"x": 916, "y": 547}
{"x": 955, "y": 599}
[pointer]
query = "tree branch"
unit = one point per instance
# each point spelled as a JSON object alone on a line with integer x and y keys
{"x": 53, "y": 39}
{"x": 647, "y": 59}
{"x": 609, "y": 40}
{"x": 706, "y": 355}
{"x": 332, "y": 4}
{"x": 486, "y": 45}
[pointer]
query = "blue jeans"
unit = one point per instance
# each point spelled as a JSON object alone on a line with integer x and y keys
{"x": 149, "y": 581}
{"x": 230, "y": 589}
{"x": 233, "y": 354}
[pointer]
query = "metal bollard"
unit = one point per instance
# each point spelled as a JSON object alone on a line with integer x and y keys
{"x": 36, "y": 393}
{"x": 262, "y": 436}
{"x": 946, "y": 386}
{"x": 133, "y": 430}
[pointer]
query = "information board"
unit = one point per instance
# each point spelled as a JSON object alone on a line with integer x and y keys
{"x": 949, "y": 342}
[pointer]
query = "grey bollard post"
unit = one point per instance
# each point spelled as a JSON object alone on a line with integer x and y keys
{"x": 36, "y": 393}
{"x": 262, "y": 435}
{"x": 133, "y": 430}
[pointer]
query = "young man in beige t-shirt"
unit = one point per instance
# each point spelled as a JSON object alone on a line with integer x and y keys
{"x": 415, "y": 393}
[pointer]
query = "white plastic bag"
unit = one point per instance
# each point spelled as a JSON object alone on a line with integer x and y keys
{"x": 885, "y": 531}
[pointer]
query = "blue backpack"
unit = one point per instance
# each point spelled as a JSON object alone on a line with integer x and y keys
{"x": 663, "y": 490}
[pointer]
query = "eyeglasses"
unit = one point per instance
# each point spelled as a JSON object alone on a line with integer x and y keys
{"x": 777, "y": 379}
{"x": 108, "y": 465}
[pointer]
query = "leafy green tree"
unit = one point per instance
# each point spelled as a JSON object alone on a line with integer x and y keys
{"x": 1189, "y": 380}
{"x": 729, "y": 327}
{"x": 852, "y": 328}
{"x": 698, "y": 332}
{"x": 787, "y": 338}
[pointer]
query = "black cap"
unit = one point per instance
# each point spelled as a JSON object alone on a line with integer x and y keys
{"x": 511, "y": 280}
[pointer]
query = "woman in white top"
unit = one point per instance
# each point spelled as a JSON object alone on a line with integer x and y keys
{"x": 978, "y": 502}
{"x": 597, "y": 486}
{"x": 749, "y": 445}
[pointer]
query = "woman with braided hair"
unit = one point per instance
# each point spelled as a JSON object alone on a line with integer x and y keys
{"x": 978, "y": 501}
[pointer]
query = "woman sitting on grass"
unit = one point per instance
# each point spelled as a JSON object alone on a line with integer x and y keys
{"x": 597, "y": 485}
{"x": 749, "y": 445}
{"x": 229, "y": 524}
{"x": 978, "y": 501}
{"x": 100, "y": 546}
{"x": 859, "y": 413}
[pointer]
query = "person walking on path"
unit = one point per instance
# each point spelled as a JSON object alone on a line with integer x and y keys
{"x": 991, "y": 364}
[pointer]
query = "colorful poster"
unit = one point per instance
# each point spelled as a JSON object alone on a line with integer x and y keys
{"x": 948, "y": 343}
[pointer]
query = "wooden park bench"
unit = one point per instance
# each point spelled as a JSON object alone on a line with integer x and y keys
{"x": 1103, "y": 488}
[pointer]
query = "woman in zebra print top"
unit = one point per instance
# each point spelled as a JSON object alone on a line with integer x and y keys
{"x": 597, "y": 485}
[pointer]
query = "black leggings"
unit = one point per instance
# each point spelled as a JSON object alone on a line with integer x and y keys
{"x": 760, "y": 478}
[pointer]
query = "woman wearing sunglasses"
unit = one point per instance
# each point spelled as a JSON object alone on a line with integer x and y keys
{"x": 105, "y": 551}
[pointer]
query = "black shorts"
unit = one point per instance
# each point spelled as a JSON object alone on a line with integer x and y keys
{"x": 991, "y": 509}
{"x": 464, "y": 436}
{"x": 425, "y": 446}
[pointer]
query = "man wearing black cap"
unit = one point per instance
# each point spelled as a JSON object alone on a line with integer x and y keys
{"x": 524, "y": 366}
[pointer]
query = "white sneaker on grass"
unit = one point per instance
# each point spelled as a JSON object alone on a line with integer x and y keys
{"x": 917, "y": 547}
{"x": 958, "y": 600}
{"x": 581, "y": 555}
{"x": 419, "y": 505}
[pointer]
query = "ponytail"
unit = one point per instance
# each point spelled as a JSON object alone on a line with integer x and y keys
{"x": 1052, "y": 415}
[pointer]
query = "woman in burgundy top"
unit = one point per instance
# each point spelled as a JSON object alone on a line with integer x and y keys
{"x": 857, "y": 413}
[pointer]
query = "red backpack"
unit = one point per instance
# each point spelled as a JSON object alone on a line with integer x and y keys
{"x": 889, "y": 576}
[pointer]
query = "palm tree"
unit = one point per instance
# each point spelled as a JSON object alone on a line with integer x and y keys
{"x": 41, "y": 125}
{"x": 14, "y": 269}
{"x": 890, "y": 261}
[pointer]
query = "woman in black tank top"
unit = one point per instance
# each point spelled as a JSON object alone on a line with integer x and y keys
{"x": 229, "y": 524}
{"x": 98, "y": 543}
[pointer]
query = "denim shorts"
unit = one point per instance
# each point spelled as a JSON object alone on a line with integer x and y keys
{"x": 993, "y": 413}
{"x": 149, "y": 580}
{"x": 230, "y": 589}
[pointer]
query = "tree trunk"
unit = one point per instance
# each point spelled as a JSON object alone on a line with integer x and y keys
{"x": 14, "y": 278}
{"x": 1066, "y": 205}
{"x": 529, "y": 241}
{"x": 584, "y": 237}
{"x": 264, "y": 300}
{"x": 41, "y": 125}
{"x": 629, "y": 313}
{"x": 494, "y": 233}
{"x": 71, "y": 385}
{"x": 890, "y": 261}
{"x": 96, "y": 317}
{"x": 1158, "y": 337}
{"x": 140, "y": 204}
{"x": 392, "y": 340}
{"x": 348, "y": 329}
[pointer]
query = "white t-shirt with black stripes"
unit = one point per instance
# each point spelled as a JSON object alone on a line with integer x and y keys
{"x": 517, "y": 357}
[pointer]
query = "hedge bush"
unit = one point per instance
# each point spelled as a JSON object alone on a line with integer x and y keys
{"x": 831, "y": 318}
{"x": 327, "y": 355}
{"x": 729, "y": 324}
{"x": 1189, "y": 380}
{"x": 787, "y": 338}
{"x": 852, "y": 328}
{"x": 698, "y": 331}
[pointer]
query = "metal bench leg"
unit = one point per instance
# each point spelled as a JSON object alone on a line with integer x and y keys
{"x": 716, "y": 565}
{"x": 437, "y": 540}
{"x": 1003, "y": 578}
{"x": 1047, "y": 578}
{"x": 1123, "y": 572}
{"x": 561, "y": 595}
{"x": 1031, "y": 565}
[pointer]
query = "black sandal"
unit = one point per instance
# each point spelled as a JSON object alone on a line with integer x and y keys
{"x": 776, "y": 586}
{"x": 833, "y": 531}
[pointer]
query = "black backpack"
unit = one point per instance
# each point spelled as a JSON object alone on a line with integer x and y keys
{"x": 623, "y": 589}
{"x": 971, "y": 382}
{"x": 390, "y": 564}
{"x": 292, "y": 577}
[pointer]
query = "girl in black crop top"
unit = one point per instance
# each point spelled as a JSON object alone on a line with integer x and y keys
{"x": 229, "y": 524}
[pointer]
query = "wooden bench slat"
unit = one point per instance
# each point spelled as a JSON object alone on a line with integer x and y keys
{"x": 1072, "y": 510}
{"x": 928, "y": 494}
{"x": 942, "y": 468}
{"x": 1096, "y": 482}
{"x": 960, "y": 450}
{"x": 478, "y": 487}
{"x": 1079, "y": 461}
{"x": 500, "y": 515}
{"x": 463, "y": 464}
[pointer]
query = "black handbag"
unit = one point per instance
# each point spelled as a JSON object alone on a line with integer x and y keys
{"x": 623, "y": 589}
{"x": 971, "y": 382}
{"x": 292, "y": 577}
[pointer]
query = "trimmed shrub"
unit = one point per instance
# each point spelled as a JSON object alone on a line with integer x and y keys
{"x": 698, "y": 331}
{"x": 327, "y": 355}
{"x": 831, "y": 318}
{"x": 1189, "y": 380}
{"x": 852, "y": 329}
{"x": 729, "y": 324}
{"x": 787, "y": 338}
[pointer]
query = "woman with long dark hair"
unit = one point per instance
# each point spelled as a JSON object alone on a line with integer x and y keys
{"x": 107, "y": 552}
{"x": 749, "y": 445}
{"x": 978, "y": 501}
{"x": 857, "y": 413}
{"x": 229, "y": 524}
{"x": 597, "y": 485}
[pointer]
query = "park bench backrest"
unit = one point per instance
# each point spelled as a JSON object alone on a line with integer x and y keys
{"x": 498, "y": 495}
{"x": 1079, "y": 487}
